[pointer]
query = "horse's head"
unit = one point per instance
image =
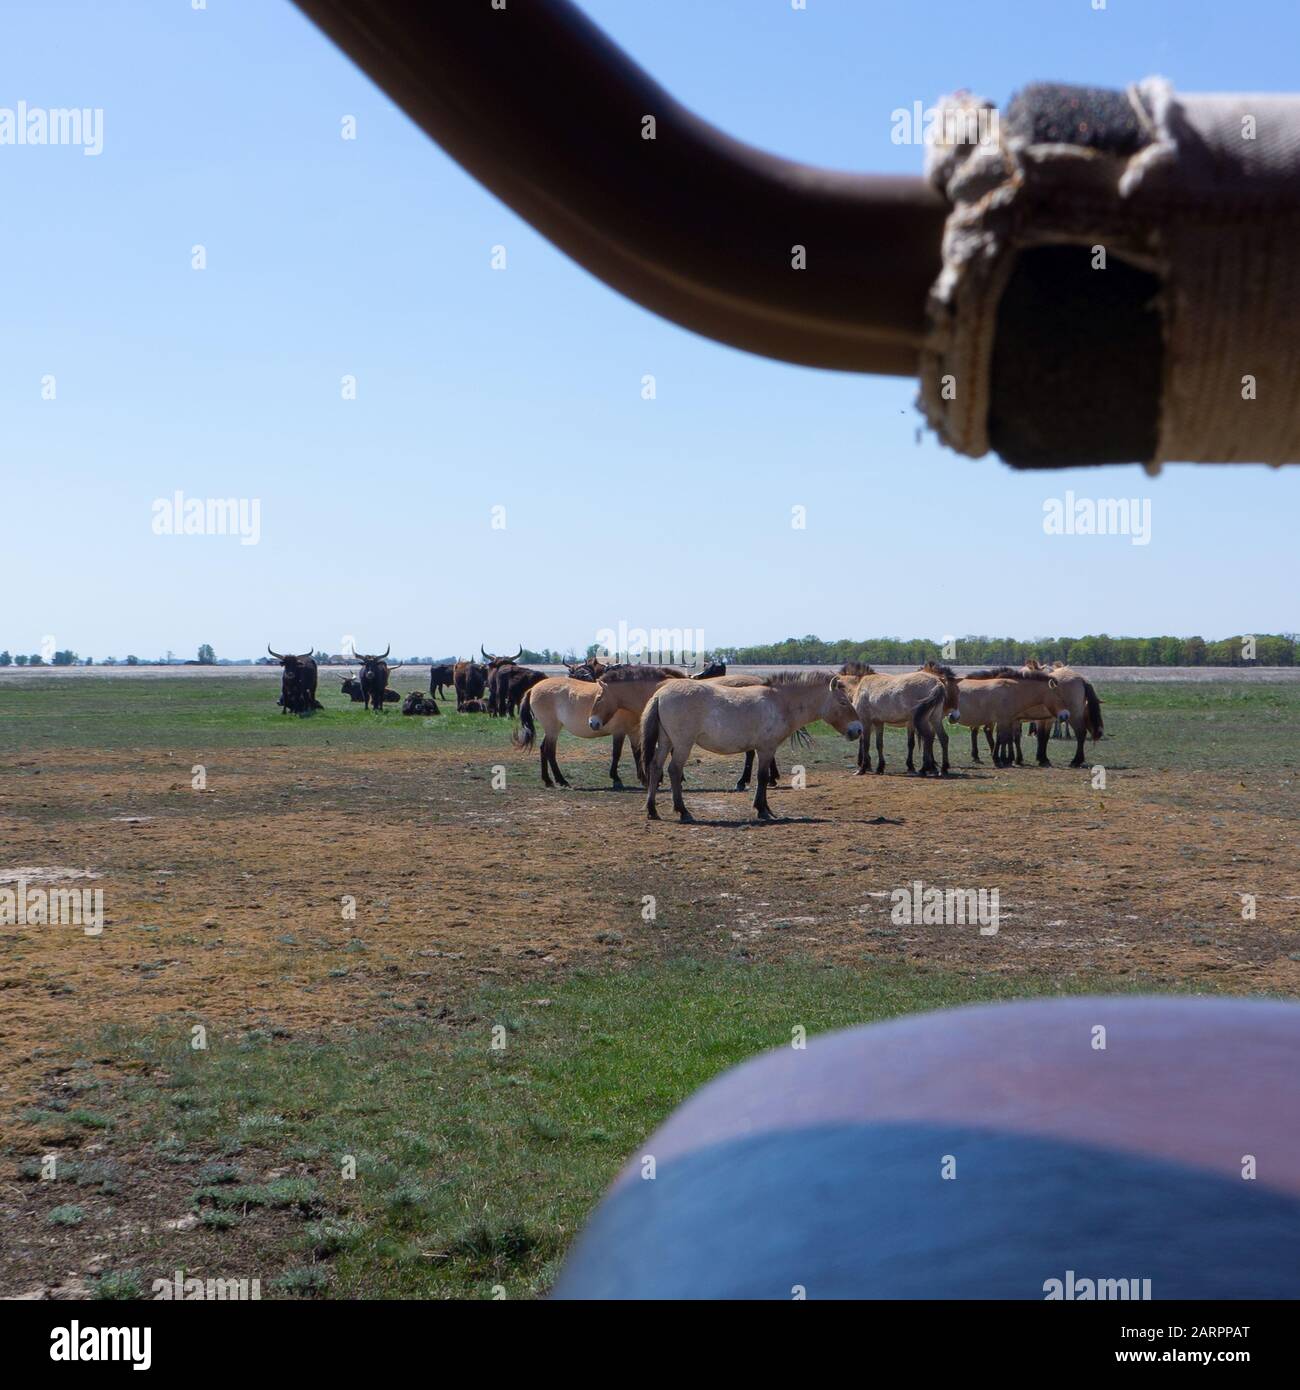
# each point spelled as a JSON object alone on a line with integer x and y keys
{"x": 609, "y": 700}
{"x": 839, "y": 712}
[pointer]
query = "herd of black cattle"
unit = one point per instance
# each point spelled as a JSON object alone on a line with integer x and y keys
{"x": 495, "y": 685}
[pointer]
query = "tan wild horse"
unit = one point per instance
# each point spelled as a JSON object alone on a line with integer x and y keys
{"x": 740, "y": 678}
{"x": 621, "y": 696}
{"x": 1079, "y": 700}
{"x": 1078, "y": 704}
{"x": 1000, "y": 698}
{"x": 560, "y": 702}
{"x": 915, "y": 701}
{"x": 627, "y": 693}
{"x": 732, "y": 719}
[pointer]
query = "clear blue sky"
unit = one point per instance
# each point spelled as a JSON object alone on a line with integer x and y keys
{"x": 478, "y": 388}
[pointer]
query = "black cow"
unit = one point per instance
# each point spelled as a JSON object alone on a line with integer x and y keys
{"x": 419, "y": 703}
{"x": 470, "y": 680}
{"x": 514, "y": 682}
{"x": 374, "y": 679}
{"x": 442, "y": 674}
{"x": 297, "y": 683}
{"x": 498, "y": 674}
{"x": 352, "y": 689}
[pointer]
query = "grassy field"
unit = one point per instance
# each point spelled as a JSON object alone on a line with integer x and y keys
{"x": 1204, "y": 724}
{"x": 475, "y": 1164}
{"x": 513, "y": 918}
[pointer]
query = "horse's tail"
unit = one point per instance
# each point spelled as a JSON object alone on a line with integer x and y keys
{"x": 523, "y": 737}
{"x": 1095, "y": 725}
{"x": 650, "y": 731}
{"x": 922, "y": 714}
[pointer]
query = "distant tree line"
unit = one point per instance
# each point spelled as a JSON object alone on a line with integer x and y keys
{"x": 1268, "y": 649}
{"x": 1259, "y": 649}
{"x": 36, "y": 659}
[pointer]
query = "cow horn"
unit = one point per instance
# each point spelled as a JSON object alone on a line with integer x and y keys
{"x": 277, "y": 655}
{"x": 396, "y": 665}
{"x": 305, "y": 654}
{"x": 486, "y": 657}
{"x": 386, "y": 650}
{"x": 518, "y": 654}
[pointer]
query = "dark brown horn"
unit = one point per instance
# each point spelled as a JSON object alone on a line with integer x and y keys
{"x": 277, "y": 655}
{"x": 517, "y": 655}
{"x": 486, "y": 657}
{"x": 385, "y": 652}
{"x": 547, "y": 112}
{"x": 305, "y": 654}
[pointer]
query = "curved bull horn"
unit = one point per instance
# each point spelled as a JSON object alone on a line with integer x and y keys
{"x": 486, "y": 657}
{"x": 385, "y": 652}
{"x": 305, "y": 654}
{"x": 685, "y": 234}
{"x": 517, "y": 655}
{"x": 277, "y": 655}
{"x": 396, "y": 665}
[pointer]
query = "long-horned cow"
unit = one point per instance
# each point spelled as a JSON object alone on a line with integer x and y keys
{"x": 374, "y": 679}
{"x": 469, "y": 680}
{"x": 297, "y": 683}
{"x": 499, "y": 669}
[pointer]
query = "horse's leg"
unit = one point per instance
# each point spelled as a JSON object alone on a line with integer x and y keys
{"x": 613, "y": 762}
{"x": 928, "y": 763}
{"x": 988, "y": 734}
{"x": 864, "y": 749}
{"x": 943, "y": 742}
{"x": 546, "y": 771}
{"x": 1020, "y": 757}
{"x": 676, "y": 769}
{"x": 774, "y": 774}
{"x": 1043, "y": 734}
{"x": 555, "y": 767}
{"x": 974, "y": 745}
{"x": 636, "y": 758}
{"x": 1080, "y": 732}
{"x": 761, "y": 808}
{"x": 880, "y": 746}
{"x": 911, "y": 744}
{"x": 654, "y": 774}
{"x": 748, "y": 770}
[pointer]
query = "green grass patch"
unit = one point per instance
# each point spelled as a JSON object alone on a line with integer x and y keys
{"x": 1174, "y": 724}
{"x": 474, "y": 1166}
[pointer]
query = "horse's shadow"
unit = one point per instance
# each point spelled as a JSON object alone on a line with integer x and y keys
{"x": 753, "y": 822}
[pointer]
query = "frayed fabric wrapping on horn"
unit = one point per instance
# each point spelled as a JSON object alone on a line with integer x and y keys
{"x": 1120, "y": 275}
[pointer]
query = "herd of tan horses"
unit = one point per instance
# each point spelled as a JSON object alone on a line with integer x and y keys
{"x": 665, "y": 714}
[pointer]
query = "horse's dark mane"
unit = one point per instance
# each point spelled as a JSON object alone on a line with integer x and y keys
{"x": 857, "y": 668}
{"x": 800, "y": 678}
{"x": 642, "y": 673}
{"x": 935, "y": 669}
{"x": 1008, "y": 673}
